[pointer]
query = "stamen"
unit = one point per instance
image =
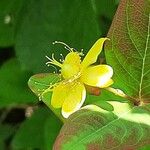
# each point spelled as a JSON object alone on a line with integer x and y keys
{"x": 62, "y": 58}
{"x": 53, "y": 61}
{"x": 66, "y": 46}
{"x": 50, "y": 65}
{"x": 81, "y": 53}
{"x": 53, "y": 56}
{"x": 72, "y": 79}
{"x": 48, "y": 58}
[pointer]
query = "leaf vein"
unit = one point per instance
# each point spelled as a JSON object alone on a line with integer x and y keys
{"x": 100, "y": 129}
{"x": 129, "y": 30}
{"x": 144, "y": 58}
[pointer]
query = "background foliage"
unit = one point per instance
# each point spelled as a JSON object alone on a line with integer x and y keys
{"x": 27, "y": 30}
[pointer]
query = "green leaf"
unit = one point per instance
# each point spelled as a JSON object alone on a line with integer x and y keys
{"x": 6, "y": 131}
{"x": 14, "y": 89}
{"x": 117, "y": 1}
{"x": 105, "y": 11}
{"x": 102, "y": 6}
{"x": 147, "y": 147}
{"x": 128, "y": 52}
{"x": 99, "y": 129}
{"x": 9, "y": 15}
{"x": 52, "y": 128}
{"x": 37, "y": 131}
{"x": 40, "y": 84}
{"x": 45, "y": 21}
{"x": 2, "y": 145}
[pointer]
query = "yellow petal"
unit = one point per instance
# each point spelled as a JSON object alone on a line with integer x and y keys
{"x": 108, "y": 83}
{"x": 99, "y": 76}
{"x": 72, "y": 58}
{"x": 93, "y": 53}
{"x": 59, "y": 94}
{"x": 74, "y": 100}
{"x": 71, "y": 65}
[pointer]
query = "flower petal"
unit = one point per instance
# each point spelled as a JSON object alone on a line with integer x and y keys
{"x": 93, "y": 53}
{"x": 71, "y": 65}
{"x": 108, "y": 83}
{"x": 74, "y": 100}
{"x": 72, "y": 58}
{"x": 59, "y": 94}
{"x": 99, "y": 76}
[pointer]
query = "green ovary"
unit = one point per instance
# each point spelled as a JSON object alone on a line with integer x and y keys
{"x": 69, "y": 70}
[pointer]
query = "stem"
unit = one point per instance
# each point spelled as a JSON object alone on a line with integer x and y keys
{"x": 120, "y": 93}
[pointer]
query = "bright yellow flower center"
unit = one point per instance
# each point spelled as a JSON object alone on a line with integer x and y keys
{"x": 71, "y": 65}
{"x": 69, "y": 70}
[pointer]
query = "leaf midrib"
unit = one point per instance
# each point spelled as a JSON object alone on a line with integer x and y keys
{"x": 144, "y": 58}
{"x": 145, "y": 51}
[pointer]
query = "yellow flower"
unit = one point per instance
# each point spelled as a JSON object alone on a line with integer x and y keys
{"x": 70, "y": 93}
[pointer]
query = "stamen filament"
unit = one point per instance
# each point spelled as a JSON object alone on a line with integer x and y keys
{"x": 53, "y": 61}
{"x": 48, "y": 58}
{"x": 66, "y": 46}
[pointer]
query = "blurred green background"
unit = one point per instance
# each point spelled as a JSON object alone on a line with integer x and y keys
{"x": 27, "y": 30}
